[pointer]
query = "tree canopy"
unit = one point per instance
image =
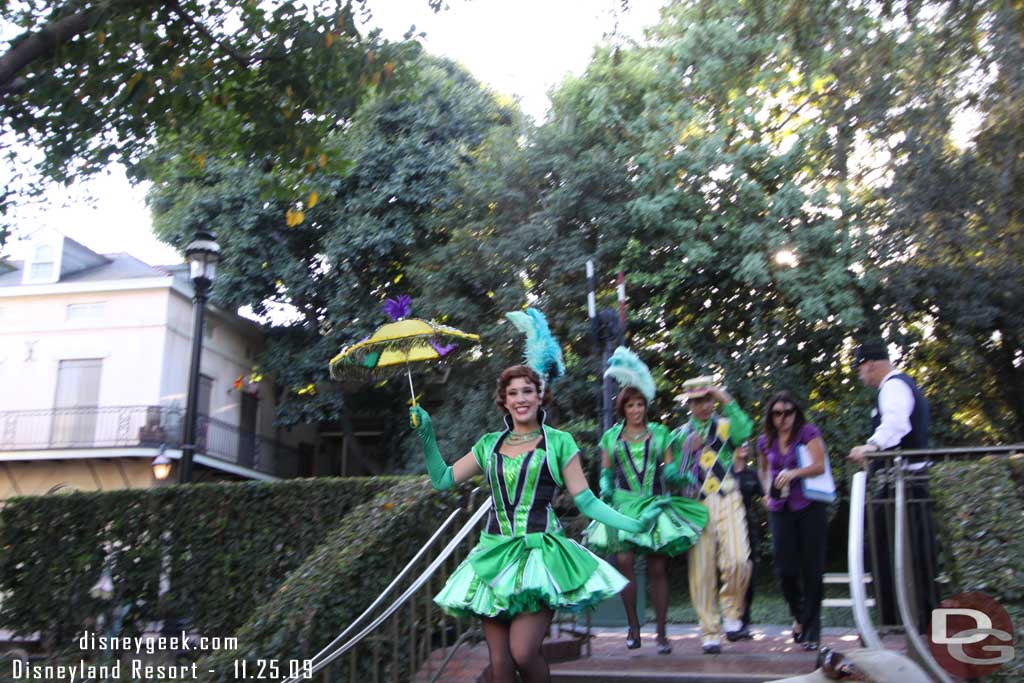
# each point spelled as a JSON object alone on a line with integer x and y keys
{"x": 777, "y": 180}
{"x": 379, "y": 227}
{"x": 90, "y": 82}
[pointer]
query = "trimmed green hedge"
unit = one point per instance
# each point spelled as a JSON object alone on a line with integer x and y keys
{"x": 980, "y": 511}
{"x": 224, "y": 547}
{"x": 341, "y": 577}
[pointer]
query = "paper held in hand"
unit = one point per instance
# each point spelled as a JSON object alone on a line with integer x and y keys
{"x": 821, "y": 487}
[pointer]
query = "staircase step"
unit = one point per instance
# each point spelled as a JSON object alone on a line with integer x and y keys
{"x": 836, "y": 577}
{"x": 688, "y": 668}
{"x": 627, "y": 676}
{"x": 844, "y": 602}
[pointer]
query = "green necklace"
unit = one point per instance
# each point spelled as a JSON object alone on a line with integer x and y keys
{"x": 635, "y": 437}
{"x": 516, "y": 438}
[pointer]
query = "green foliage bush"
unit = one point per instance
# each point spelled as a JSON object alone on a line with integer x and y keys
{"x": 980, "y": 510}
{"x": 340, "y": 578}
{"x": 224, "y": 547}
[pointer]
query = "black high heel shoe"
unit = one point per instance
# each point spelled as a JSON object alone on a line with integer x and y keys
{"x": 664, "y": 647}
{"x": 632, "y": 642}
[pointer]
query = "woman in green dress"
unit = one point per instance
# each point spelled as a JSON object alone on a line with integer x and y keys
{"x": 524, "y": 568}
{"x": 632, "y": 453}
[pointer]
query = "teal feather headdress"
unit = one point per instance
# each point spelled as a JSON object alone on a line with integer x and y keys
{"x": 626, "y": 368}
{"x": 543, "y": 353}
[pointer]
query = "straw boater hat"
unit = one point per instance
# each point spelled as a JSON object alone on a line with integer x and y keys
{"x": 871, "y": 666}
{"x": 696, "y": 387}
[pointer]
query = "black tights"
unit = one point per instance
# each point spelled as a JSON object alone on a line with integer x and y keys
{"x": 657, "y": 577}
{"x": 514, "y": 645}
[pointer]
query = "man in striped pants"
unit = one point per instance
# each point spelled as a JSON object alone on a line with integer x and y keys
{"x": 703, "y": 452}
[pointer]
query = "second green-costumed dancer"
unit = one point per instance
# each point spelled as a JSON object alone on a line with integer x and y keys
{"x": 632, "y": 453}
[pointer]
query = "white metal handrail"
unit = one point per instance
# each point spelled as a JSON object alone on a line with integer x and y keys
{"x": 915, "y": 641}
{"x": 401, "y": 575}
{"x": 917, "y": 645}
{"x": 855, "y": 560}
{"x": 323, "y": 659}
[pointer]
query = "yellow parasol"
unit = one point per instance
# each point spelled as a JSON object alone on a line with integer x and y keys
{"x": 400, "y": 343}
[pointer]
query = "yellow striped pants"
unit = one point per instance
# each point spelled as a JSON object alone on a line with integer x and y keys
{"x": 723, "y": 548}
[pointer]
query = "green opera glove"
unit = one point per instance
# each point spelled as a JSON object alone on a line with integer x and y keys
{"x": 607, "y": 484}
{"x": 674, "y": 477}
{"x": 589, "y": 505}
{"x": 441, "y": 474}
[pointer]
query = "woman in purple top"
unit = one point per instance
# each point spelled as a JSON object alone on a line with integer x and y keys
{"x": 798, "y": 525}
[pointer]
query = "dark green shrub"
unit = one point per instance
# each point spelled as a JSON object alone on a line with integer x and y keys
{"x": 980, "y": 511}
{"x": 224, "y": 548}
{"x": 340, "y": 578}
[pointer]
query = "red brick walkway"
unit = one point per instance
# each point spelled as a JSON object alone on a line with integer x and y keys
{"x": 768, "y": 655}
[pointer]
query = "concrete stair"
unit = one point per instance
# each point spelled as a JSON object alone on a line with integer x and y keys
{"x": 769, "y": 656}
{"x": 690, "y": 668}
{"x": 843, "y": 579}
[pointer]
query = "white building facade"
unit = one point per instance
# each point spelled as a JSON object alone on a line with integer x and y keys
{"x": 94, "y": 360}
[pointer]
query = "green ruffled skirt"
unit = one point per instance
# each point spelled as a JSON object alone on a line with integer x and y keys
{"x": 676, "y": 530}
{"x": 503, "y": 576}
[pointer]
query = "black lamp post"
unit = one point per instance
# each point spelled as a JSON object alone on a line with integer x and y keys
{"x": 202, "y": 253}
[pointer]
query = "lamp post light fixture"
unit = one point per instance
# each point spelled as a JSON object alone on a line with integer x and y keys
{"x": 161, "y": 464}
{"x": 203, "y": 254}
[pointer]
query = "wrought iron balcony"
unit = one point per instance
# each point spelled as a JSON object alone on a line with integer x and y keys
{"x": 141, "y": 426}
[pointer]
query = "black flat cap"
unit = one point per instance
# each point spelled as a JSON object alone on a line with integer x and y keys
{"x": 873, "y": 350}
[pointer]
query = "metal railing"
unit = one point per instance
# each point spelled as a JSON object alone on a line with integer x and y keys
{"x": 394, "y": 642}
{"x": 855, "y": 552}
{"x": 411, "y": 637}
{"x": 893, "y": 496}
{"x": 140, "y": 426}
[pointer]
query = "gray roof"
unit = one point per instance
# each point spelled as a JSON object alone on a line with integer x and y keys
{"x": 11, "y": 278}
{"x": 119, "y": 266}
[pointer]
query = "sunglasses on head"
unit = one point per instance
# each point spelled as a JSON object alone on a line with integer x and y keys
{"x": 780, "y": 412}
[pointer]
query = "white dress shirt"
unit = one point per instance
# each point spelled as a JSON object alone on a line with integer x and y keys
{"x": 896, "y": 401}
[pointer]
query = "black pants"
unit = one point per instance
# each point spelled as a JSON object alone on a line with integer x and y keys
{"x": 922, "y": 556}
{"x": 798, "y": 543}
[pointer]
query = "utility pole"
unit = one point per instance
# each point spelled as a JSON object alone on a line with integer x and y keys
{"x": 608, "y": 331}
{"x": 595, "y": 335}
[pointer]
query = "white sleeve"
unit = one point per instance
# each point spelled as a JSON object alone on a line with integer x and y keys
{"x": 896, "y": 401}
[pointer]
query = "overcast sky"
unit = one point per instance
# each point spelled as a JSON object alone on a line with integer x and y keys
{"x": 518, "y": 47}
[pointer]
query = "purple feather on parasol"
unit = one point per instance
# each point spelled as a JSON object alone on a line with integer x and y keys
{"x": 443, "y": 349}
{"x": 399, "y": 307}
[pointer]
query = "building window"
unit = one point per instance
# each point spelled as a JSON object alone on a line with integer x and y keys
{"x": 42, "y": 266}
{"x": 203, "y": 401}
{"x": 76, "y": 403}
{"x": 205, "y": 396}
{"x": 89, "y": 311}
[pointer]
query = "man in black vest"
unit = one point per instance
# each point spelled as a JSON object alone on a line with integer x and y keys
{"x": 899, "y": 421}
